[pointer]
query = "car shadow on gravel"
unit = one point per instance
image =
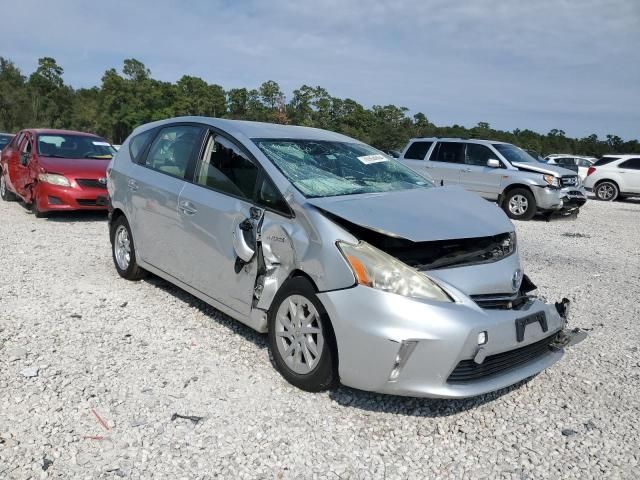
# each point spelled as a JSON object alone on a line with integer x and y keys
{"x": 235, "y": 326}
{"x": 412, "y": 406}
{"x": 81, "y": 216}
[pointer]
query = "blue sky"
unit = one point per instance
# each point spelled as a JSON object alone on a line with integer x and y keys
{"x": 567, "y": 64}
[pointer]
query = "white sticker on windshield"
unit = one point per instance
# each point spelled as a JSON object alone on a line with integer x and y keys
{"x": 369, "y": 159}
{"x": 101, "y": 144}
{"x": 331, "y": 157}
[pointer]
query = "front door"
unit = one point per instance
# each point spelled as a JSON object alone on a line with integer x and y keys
{"x": 477, "y": 176}
{"x": 155, "y": 184}
{"x": 211, "y": 209}
{"x": 446, "y": 162}
{"x": 19, "y": 166}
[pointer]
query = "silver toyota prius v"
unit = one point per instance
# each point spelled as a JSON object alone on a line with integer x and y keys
{"x": 360, "y": 270}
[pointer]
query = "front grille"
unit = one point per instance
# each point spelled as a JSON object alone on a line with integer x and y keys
{"x": 569, "y": 181}
{"x": 91, "y": 183}
{"x": 469, "y": 371}
{"x": 503, "y": 301}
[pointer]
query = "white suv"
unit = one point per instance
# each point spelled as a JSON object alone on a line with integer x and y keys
{"x": 614, "y": 176}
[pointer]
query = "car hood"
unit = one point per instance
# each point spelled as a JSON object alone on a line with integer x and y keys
{"x": 544, "y": 168}
{"x": 92, "y": 167}
{"x": 421, "y": 214}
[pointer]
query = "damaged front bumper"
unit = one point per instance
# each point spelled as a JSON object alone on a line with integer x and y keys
{"x": 560, "y": 201}
{"x": 392, "y": 344}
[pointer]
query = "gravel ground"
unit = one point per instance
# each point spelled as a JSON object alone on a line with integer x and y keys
{"x": 93, "y": 367}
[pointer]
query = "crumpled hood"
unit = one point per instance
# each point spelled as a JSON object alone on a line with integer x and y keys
{"x": 544, "y": 168}
{"x": 88, "y": 167}
{"x": 420, "y": 214}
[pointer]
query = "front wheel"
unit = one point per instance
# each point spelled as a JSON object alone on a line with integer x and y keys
{"x": 6, "y": 195}
{"x": 607, "y": 191}
{"x": 520, "y": 204}
{"x": 123, "y": 251}
{"x": 301, "y": 338}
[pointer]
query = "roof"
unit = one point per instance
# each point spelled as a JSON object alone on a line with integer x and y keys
{"x": 54, "y": 131}
{"x": 260, "y": 129}
{"x": 455, "y": 139}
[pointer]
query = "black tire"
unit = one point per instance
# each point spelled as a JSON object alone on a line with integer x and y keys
{"x": 607, "y": 191}
{"x": 132, "y": 271}
{"x": 6, "y": 195}
{"x": 324, "y": 375}
{"x": 515, "y": 195}
{"x": 34, "y": 208}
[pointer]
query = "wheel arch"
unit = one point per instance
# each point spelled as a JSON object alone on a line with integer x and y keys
{"x": 511, "y": 187}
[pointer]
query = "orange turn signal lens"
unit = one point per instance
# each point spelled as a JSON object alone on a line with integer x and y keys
{"x": 359, "y": 270}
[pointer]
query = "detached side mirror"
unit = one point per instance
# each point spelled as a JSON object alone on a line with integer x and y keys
{"x": 24, "y": 158}
{"x": 493, "y": 163}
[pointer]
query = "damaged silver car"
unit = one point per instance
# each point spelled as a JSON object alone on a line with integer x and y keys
{"x": 357, "y": 268}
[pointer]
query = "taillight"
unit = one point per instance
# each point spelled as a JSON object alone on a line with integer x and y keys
{"x": 591, "y": 170}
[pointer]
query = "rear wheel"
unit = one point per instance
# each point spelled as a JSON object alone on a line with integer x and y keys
{"x": 301, "y": 338}
{"x": 607, "y": 191}
{"x": 6, "y": 195}
{"x": 520, "y": 204}
{"x": 123, "y": 251}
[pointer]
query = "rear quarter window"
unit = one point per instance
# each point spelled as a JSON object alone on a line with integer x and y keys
{"x": 605, "y": 160}
{"x": 138, "y": 143}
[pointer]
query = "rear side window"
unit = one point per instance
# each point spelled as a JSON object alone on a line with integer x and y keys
{"x": 604, "y": 161}
{"x": 137, "y": 144}
{"x": 632, "y": 163}
{"x": 172, "y": 150}
{"x": 449, "y": 152}
{"x": 418, "y": 150}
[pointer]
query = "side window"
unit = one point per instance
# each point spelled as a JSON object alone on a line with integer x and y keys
{"x": 450, "y": 152}
{"x": 632, "y": 163}
{"x": 172, "y": 149}
{"x": 269, "y": 196}
{"x": 417, "y": 150}
{"x": 477, "y": 154}
{"x": 137, "y": 144}
{"x": 225, "y": 168}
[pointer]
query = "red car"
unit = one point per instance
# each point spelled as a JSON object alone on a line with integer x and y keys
{"x": 56, "y": 170}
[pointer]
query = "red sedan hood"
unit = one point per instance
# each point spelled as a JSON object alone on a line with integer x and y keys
{"x": 78, "y": 168}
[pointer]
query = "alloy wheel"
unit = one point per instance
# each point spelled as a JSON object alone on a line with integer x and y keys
{"x": 299, "y": 334}
{"x": 3, "y": 186}
{"x": 122, "y": 247}
{"x": 518, "y": 204}
{"x": 606, "y": 191}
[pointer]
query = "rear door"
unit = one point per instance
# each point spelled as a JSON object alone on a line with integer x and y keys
{"x": 630, "y": 175}
{"x": 155, "y": 184}
{"x": 220, "y": 206}
{"x": 477, "y": 176}
{"x": 446, "y": 162}
{"x": 10, "y": 159}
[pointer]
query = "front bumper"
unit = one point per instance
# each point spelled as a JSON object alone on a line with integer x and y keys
{"x": 370, "y": 326}
{"x": 560, "y": 199}
{"x": 57, "y": 198}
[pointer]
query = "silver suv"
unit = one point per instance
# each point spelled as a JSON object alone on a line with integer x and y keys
{"x": 497, "y": 171}
{"x": 314, "y": 238}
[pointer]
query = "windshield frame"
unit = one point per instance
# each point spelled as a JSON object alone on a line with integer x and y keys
{"x": 74, "y": 136}
{"x": 511, "y": 146}
{"x": 258, "y": 140}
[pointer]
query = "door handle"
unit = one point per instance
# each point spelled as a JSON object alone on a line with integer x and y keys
{"x": 465, "y": 170}
{"x": 187, "y": 208}
{"x": 133, "y": 185}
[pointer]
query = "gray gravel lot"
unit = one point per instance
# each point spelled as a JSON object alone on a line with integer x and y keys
{"x": 92, "y": 368}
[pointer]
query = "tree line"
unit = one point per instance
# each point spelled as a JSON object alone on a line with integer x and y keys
{"x": 131, "y": 97}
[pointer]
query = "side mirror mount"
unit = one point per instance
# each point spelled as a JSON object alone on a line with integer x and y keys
{"x": 493, "y": 163}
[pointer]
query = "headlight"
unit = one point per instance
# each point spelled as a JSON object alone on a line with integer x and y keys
{"x": 551, "y": 180}
{"x": 376, "y": 269}
{"x": 54, "y": 179}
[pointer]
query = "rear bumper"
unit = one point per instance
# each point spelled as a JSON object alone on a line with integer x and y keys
{"x": 371, "y": 325}
{"x": 52, "y": 198}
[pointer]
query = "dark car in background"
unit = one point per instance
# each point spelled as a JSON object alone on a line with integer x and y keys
{"x": 54, "y": 170}
{"x": 5, "y": 138}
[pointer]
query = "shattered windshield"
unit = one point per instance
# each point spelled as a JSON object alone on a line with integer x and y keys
{"x": 327, "y": 169}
